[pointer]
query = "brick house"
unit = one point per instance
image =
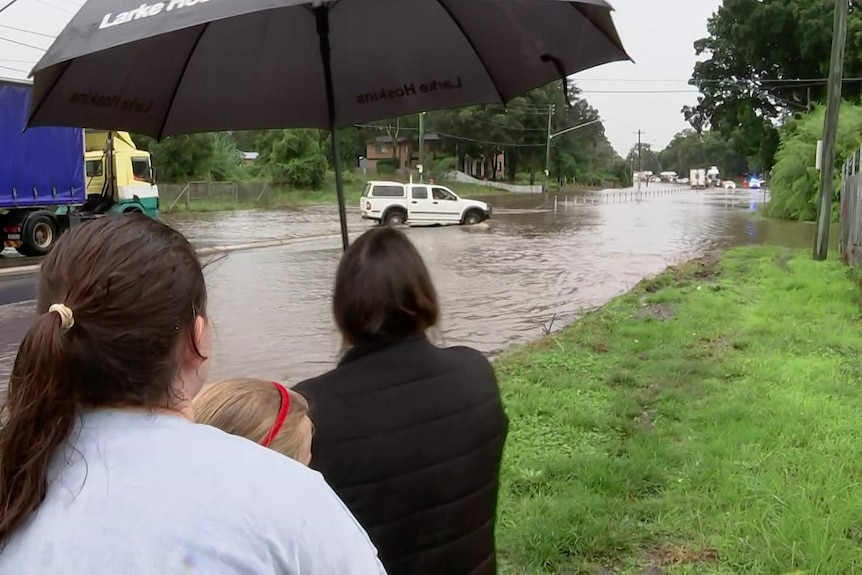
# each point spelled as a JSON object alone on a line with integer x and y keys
{"x": 406, "y": 150}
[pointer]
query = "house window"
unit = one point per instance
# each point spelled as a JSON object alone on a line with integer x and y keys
{"x": 382, "y": 148}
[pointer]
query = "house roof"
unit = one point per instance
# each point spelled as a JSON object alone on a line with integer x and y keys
{"x": 429, "y": 136}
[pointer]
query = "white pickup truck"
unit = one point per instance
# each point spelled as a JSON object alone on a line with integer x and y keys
{"x": 394, "y": 204}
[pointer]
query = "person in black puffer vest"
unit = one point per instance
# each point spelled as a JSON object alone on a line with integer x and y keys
{"x": 409, "y": 435}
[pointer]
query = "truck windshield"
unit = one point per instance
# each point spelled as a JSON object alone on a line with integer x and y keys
{"x": 141, "y": 169}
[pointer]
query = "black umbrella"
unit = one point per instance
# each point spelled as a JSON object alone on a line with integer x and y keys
{"x": 182, "y": 66}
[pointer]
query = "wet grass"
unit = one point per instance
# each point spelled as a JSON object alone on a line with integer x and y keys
{"x": 286, "y": 198}
{"x": 707, "y": 422}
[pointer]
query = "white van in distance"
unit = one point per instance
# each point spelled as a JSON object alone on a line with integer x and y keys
{"x": 394, "y": 204}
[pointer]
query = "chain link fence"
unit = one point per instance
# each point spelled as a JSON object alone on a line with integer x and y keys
{"x": 192, "y": 194}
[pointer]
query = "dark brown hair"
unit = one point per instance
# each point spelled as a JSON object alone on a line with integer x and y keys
{"x": 135, "y": 288}
{"x": 383, "y": 289}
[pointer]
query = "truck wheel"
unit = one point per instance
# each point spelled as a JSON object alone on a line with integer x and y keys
{"x": 38, "y": 233}
{"x": 472, "y": 218}
{"x": 395, "y": 218}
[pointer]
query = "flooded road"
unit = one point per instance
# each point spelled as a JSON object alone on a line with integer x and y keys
{"x": 499, "y": 283}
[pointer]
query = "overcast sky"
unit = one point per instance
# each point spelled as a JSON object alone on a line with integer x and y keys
{"x": 647, "y": 95}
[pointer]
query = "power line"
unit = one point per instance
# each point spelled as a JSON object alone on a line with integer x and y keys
{"x": 689, "y": 91}
{"x": 8, "y": 5}
{"x": 714, "y": 80}
{"x": 28, "y": 31}
{"x": 14, "y": 69}
{"x": 455, "y": 137}
{"x": 48, "y": 4}
{"x": 26, "y": 45}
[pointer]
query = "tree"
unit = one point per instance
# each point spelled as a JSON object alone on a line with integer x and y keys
{"x": 644, "y": 159}
{"x": 293, "y": 157}
{"x": 764, "y": 61}
{"x": 521, "y": 130}
{"x": 181, "y": 158}
{"x": 795, "y": 183}
{"x": 690, "y": 149}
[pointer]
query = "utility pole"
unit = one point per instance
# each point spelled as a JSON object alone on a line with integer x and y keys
{"x": 422, "y": 145}
{"x": 640, "y": 159}
{"x": 830, "y": 128}
{"x": 548, "y": 147}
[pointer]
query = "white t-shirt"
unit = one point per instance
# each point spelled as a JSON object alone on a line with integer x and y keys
{"x": 152, "y": 493}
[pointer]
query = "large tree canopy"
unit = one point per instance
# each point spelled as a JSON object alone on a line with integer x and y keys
{"x": 763, "y": 61}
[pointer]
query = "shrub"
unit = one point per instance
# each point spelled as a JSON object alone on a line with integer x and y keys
{"x": 795, "y": 183}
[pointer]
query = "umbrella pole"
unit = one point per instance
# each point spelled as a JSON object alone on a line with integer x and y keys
{"x": 321, "y": 14}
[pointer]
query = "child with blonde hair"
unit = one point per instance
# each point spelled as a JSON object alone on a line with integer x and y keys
{"x": 265, "y": 412}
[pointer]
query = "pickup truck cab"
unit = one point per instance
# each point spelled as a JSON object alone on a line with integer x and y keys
{"x": 394, "y": 203}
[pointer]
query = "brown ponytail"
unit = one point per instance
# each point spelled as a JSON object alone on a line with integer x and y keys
{"x": 134, "y": 288}
{"x": 37, "y": 417}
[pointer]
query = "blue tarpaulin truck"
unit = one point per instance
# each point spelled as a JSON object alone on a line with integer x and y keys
{"x": 54, "y": 178}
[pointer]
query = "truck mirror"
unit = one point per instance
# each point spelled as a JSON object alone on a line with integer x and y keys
{"x": 152, "y": 175}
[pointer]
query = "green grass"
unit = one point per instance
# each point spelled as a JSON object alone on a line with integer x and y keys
{"x": 285, "y": 198}
{"x": 710, "y": 421}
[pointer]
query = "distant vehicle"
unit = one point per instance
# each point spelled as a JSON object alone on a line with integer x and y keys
{"x": 713, "y": 177}
{"x": 669, "y": 176}
{"x": 52, "y": 179}
{"x": 755, "y": 183}
{"x": 729, "y": 185}
{"x": 698, "y": 178}
{"x": 682, "y": 181}
{"x": 394, "y": 204}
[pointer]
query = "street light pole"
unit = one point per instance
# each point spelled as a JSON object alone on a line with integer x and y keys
{"x": 830, "y": 128}
{"x": 552, "y": 135}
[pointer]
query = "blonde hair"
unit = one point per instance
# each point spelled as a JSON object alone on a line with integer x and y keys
{"x": 248, "y": 407}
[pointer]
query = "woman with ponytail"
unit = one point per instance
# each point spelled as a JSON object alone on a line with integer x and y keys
{"x": 102, "y": 469}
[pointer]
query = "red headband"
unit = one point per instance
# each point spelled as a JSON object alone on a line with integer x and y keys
{"x": 282, "y": 414}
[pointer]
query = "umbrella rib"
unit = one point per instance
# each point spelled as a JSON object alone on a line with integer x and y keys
{"x": 180, "y": 80}
{"x": 473, "y": 47}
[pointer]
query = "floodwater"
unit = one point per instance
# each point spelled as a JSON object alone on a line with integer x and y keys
{"x": 500, "y": 283}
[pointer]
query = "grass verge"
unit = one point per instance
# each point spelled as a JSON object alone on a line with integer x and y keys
{"x": 285, "y": 198}
{"x": 706, "y": 422}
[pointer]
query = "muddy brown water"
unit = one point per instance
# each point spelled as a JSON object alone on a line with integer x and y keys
{"x": 500, "y": 283}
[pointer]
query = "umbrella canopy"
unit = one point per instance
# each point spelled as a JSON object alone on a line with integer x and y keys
{"x": 182, "y": 66}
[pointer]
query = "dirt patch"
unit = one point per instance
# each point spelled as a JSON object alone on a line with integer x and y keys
{"x": 646, "y": 421}
{"x": 658, "y": 311}
{"x": 674, "y": 555}
{"x": 600, "y": 347}
{"x": 704, "y": 268}
{"x": 713, "y": 347}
